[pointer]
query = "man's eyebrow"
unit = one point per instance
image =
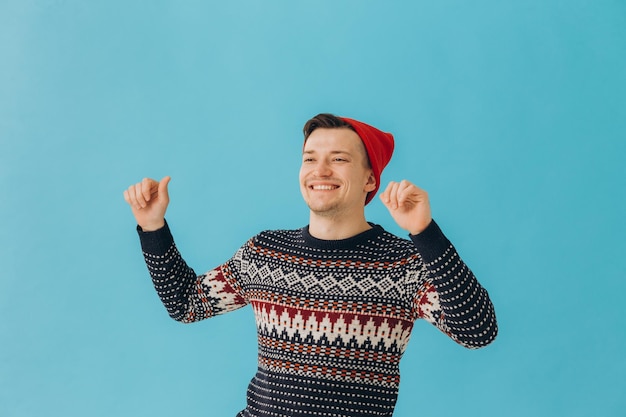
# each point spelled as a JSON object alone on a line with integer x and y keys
{"x": 332, "y": 152}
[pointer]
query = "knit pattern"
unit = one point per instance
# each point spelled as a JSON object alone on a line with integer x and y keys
{"x": 333, "y": 317}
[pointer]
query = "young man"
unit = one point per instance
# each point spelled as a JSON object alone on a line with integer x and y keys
{"x": 335, "y": 301}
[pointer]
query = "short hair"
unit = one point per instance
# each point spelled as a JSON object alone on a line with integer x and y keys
{"x": 324, "y": 120}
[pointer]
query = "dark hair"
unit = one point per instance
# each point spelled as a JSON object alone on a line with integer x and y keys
{"x": 324, "y": 120}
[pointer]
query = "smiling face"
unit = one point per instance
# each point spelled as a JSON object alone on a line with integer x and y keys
{"x": 335, "y": 176}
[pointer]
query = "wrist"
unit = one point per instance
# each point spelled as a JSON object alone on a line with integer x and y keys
{"x": 419, "y": 228}
{"x": 152, "y": 226}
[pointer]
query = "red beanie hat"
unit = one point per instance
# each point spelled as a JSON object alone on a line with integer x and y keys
{"x": 379, "y": 147}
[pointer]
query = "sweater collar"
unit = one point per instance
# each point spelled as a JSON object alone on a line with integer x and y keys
{"x": 347, "y": 243}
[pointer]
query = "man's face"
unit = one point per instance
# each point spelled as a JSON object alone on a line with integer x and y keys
{"x": 334, "y": 176}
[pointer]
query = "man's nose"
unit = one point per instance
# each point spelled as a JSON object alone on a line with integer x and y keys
{"x": 322, "y": 169}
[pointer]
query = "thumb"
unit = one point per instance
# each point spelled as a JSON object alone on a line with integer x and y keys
{"x": 163, "y": 186}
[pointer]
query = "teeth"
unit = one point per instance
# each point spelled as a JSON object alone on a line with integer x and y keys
{"x": 324, "y": 187}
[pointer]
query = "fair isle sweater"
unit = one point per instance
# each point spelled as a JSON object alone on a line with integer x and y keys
{"x": 333, "y": 317}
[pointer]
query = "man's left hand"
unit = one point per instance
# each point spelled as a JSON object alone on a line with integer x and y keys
{"x": 408, "y": 205}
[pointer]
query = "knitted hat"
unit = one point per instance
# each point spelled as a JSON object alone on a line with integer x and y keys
{"x": 379, "y": 146}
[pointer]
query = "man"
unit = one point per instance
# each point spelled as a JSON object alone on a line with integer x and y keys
{"x": 335, "y": 301}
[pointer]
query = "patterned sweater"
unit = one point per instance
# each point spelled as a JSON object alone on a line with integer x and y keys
{"x": 333, "y": 317}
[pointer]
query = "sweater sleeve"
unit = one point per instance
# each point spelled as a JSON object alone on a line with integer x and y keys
{"x": 188, "y": 297}
{"x": 451, "y": 297}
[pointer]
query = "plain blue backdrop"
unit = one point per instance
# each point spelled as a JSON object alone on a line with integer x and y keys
{"x": 511, "y": 114}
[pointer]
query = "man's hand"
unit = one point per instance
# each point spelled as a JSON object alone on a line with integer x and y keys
{"x": 148, "y": 200}
{"x": 408, "y": 205}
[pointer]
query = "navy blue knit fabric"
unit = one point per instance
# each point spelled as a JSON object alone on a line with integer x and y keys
{"x": 333, "y": 317}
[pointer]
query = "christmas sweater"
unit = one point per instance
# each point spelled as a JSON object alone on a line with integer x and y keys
{"x": 333, "y": 317}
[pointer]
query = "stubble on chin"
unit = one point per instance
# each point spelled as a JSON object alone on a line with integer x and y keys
{"x": 323, "y": 209}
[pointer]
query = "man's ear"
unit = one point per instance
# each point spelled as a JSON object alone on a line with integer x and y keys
{"x": 370, "y": 185}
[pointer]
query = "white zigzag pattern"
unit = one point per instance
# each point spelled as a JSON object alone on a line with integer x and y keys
{"x": 328, "y": 284}
{"x": 318, "y": 324}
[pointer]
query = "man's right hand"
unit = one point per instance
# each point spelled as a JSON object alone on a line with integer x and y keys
{"x": 148, "y": 200}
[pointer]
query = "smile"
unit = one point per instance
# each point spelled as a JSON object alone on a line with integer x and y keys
{"x": 324, "y": 187}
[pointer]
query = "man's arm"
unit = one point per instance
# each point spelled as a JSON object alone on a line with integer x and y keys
{"x": 451, "y": 297}
{"x": 186, "y": 296}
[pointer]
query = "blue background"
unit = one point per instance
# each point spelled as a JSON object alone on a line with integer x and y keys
{"x": 511, "y": 114}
